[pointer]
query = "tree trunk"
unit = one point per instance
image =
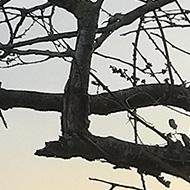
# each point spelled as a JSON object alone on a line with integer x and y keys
{"x": 75, "y": 102}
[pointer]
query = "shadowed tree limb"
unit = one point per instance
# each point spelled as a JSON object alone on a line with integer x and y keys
{"x": 150, "y": 160}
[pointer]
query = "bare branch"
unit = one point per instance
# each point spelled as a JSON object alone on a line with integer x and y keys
{"x": 182, "y": 11}
{"x": 141, "y": 96}
{"x": 67, "y": 53}
{"x": 149, "y": 159}
{"x": 3, "y": 2}
{"x": 128, "y": 18}
{"x": 157, "y": 28}
{"x": 51, "y": 37}
{"x": 115, "y": 184}
{"x": 172, "y": 45}
{"x": 119, "y": 60}
{"x": 166, "y": 50}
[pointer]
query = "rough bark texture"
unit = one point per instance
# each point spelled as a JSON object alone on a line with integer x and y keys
{"x": 75, "y": 102}
{"x": 172, "y": 159}
{"x": 102, "y": 104}
{"x": 139, "y": 97}
{"x": 76, "y": 105}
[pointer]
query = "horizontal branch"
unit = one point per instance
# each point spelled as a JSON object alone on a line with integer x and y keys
{"x": 30, "y": 99}
{"x": 102, "y": 104}
{"x": 48, "y": 53}
{"x": 139, "y": 97}
{"x": 127, "y": 19}
{"x": 49, "y": 38}
{"x": 148, "y": 159}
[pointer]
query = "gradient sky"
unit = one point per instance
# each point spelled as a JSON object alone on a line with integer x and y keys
{"x": 28, "y": 130}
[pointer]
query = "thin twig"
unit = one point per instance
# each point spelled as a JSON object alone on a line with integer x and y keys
{"x": 165, "y": 49}
{"x": 157, "y": 28}
{"x": 113, "y": 185}
{"x": 182, "y": 11}
{"x": 143, "y": 181}
{"x": 137, "y": 117}
{"x": 135, "y": 72}
{"x": 117, "y": 59}
{"x": 172, "y": 45}
{"x": 152, "y": 73}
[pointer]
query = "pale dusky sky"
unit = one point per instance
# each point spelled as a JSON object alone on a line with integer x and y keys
{"x": 20, "y": 169}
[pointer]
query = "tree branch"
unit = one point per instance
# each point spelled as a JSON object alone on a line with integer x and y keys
{"x": 51, "y": 37}
{"x": 151, "y": 160}
{"x": 3, "y": 2}
{"x": 140, "y": 96}
{"x": 48, "y": 53}
{"x": 78, "y": 8}
{"x": 102, "y": 104}
{"x": 33, "y": 100}
{"x": 130, "y": 17}
{"x": 115, "y": 184}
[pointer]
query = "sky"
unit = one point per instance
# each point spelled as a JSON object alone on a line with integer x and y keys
{"x": 28, "y": 130}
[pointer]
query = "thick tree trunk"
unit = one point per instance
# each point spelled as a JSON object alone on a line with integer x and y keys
{"x": 75, "y": 102}
{"x": 76, "y": 105}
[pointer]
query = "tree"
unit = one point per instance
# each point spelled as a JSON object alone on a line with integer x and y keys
{"x": 95, "y": 26}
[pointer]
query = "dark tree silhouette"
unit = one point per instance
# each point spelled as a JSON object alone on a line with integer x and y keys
{"x": 146, "y": 87}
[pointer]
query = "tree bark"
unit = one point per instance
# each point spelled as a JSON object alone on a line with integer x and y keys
{"x": 104, "y": 103}
{"x": 75, "y": 102}
{"x": 148, "y": 159}
{"x": 76, "y": 105}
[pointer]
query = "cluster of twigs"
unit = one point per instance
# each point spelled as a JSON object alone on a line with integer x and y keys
{"x": 168, "y": 17}
{"x": 15, "y": 50}
{"x": 162, "y": 19}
